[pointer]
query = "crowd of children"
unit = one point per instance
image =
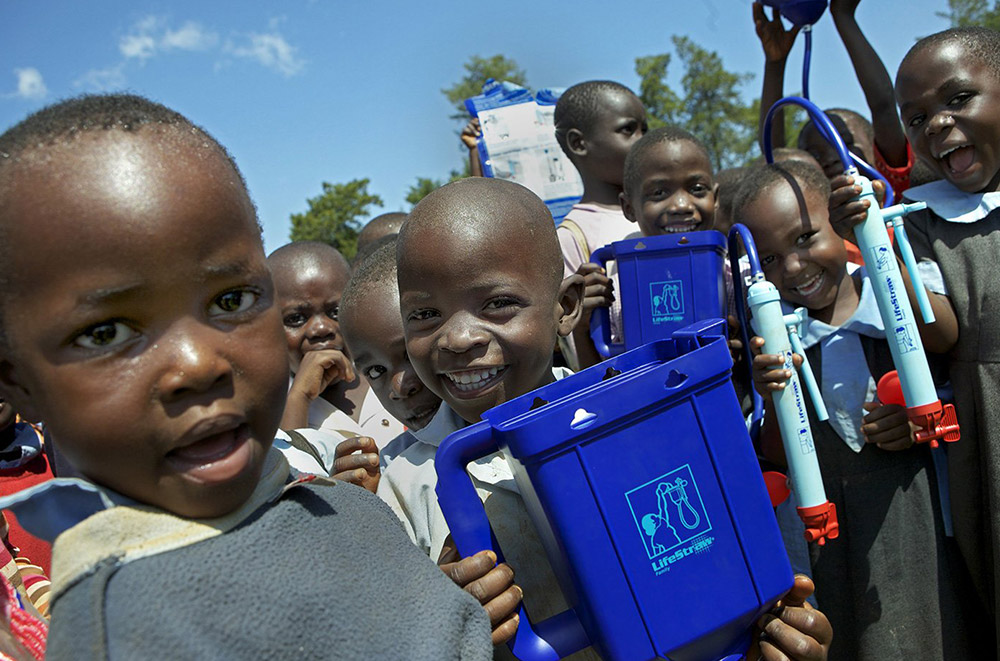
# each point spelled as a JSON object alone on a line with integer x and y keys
{"x": 233, "y": 454}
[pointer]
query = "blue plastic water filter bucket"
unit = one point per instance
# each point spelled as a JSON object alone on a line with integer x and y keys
{"x": 640, "y": 478}
{"x": 664, "y": 284}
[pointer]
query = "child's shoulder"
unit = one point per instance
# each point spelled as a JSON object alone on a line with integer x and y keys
{"x": 276, "y": 580}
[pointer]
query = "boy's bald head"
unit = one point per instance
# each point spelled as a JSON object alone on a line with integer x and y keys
{"x": 303, "y": 255}
{"x": 379, "y": 227}
{"x": 55, "y": 131}
{"x": 982, "y": 43}
{"x": 482, "y": 210}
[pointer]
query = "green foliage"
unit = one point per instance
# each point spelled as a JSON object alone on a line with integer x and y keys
{"x": 477, "y": 71}
{"x": 709, "y": 105}
{"x": 335, "y": 216}
{"x": 425, "y": 186}
{"x": 963, "y": 13}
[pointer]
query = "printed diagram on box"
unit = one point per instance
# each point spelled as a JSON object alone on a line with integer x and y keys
{"x": 668, "y": 511}
{"x": 667, "y": 298}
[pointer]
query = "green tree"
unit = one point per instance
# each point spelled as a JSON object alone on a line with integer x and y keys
{"x": 963, "y": 13}
{"x": 709, "y": 104}
{"x": 477, "y": 71}
{"x": 424, "y": 186}
{"x": 335, "y": 216}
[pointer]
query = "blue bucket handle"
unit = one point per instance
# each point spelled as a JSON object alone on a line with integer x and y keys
{"x": 600, "y": 320}
{"x": 549, "y": 640}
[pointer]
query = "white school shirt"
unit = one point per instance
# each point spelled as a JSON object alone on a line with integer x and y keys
{"x": 407, "y": 485}
{"x": 374, "y": 421}
{"x": 409, "y": 478}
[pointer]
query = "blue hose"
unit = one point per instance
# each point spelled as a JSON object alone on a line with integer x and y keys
{"x": 807, "y": 29}
{"x": 736, "y": 233}
{"x": 852, "y": 164}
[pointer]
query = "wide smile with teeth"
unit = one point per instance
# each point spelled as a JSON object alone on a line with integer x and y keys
{"x": 678, "y": 228}
{"x": 473, "y": 380}
{"x": 950, "y": 150}
{"x": 810, "y": 286}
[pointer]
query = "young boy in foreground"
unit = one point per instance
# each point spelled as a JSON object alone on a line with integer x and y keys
{"x": 138, "y": 320}
{"x": 482, "y": 300}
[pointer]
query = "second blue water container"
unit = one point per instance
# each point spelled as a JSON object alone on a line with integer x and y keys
{"x": 664, "y": 283}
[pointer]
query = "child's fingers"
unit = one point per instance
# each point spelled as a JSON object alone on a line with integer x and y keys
{"x": 888, "y": 427}
{"x": 801, "y": 590}
{"x": 502, "y": 606}
{"x": 365, "y": 479}
{"x": 364, "y": 444}
{"x": 795, "y": 633}
{"x": 469, "y": 569}
{"x": 878, "y": 412}
{"x": 492, "y": 585}
{"x": 589, "y": 268}
{"x": 503, "y": 632}
{"x": 367, "y": 461}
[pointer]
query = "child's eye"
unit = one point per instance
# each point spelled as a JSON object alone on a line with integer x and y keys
{"x": 804, "y": 238}
{"x": 294, "y": 320}
{"x": 374, "y": 372}
{"x": 333, "y": 312}
{"x": 766, "y": 261}
{"x": 960, "y": 98}
{"x": 630, "y": 128}
{"x": 421, "y": 315}
{"x": 105, "y": 335}
{"x": 915, "y": 121}
{"x": 501, "y": 302}
{"x": 233, "y": 302}
{"x": 699, "y": 189}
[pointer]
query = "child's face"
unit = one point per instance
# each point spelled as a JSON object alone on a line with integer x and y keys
{"x": 621, "y": 123}
{"x": 480, "y": 323}
{"x": 141, "y": 318}
{"x": 675, "y": 192}
{"x": 379, "y": 351}
{"x": 948, "y": 100}
{"x": 308, "y": 298}
{"x": 799, "y": 251}
{"x": 826, "y": 155}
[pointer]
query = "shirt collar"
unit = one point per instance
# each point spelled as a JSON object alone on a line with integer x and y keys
{"x": 952, "y": 204}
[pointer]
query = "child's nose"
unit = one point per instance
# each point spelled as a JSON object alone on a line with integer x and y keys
{"x": 792, "y": 264}
{"x": 462, "y": 334}
{"x": 939, "y": 122}
{"x": 680, "y": 203}
{"x": 195, "y": 365}
{"x": 404, "y": 384}
{"x": 320, "y": 325}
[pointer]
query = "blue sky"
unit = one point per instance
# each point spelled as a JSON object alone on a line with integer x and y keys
{"x": 306, "y": 91}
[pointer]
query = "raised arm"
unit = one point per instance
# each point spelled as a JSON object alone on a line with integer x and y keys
{"x": 777, "y": 42}
{"x": 875, "y": 82}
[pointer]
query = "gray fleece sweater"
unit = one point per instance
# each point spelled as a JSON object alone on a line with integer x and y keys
{"x": 324, "y": 572}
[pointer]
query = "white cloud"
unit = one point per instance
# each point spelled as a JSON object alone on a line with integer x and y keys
{"x": 30, "y": 84}
{"x": 141, "y": 46}
{"x": 102, "y": 80}
{"x": 191, "y": 36}
{"x": 272, "y": 51}
{"x": 151, "y": 35}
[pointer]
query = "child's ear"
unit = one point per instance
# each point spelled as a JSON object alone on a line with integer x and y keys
{"x": 569, "y": 306}
{"x": 626, "y": 206}
{"x": 576, "y": 143}
{"x": 15, "y": 393}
